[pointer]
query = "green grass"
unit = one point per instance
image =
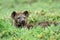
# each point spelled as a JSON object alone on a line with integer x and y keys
{"x": 51, "y": 13}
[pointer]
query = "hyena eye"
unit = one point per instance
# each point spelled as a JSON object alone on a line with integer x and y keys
{"x": 18, "y": 18}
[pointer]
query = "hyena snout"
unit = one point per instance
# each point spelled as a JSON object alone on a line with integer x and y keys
{"x": 22, "y": 21}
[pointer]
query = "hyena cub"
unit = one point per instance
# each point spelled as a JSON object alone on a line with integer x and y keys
{"x": 20, "y": 18}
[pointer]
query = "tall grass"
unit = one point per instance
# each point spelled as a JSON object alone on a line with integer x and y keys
{"x": 51, "y": 13}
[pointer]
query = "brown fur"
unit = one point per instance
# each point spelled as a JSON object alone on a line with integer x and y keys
{"x": 47, "y": 23}
{"x": 44, "y": 24}
{"x": 20, "y": 18}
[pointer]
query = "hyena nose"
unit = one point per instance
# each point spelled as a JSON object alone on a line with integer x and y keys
{"x": 23, "y": 21}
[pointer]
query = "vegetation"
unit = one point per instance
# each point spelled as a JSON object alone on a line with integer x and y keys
{"x": 39, "y": 10}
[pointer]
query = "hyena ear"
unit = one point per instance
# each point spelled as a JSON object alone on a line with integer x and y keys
{"x": 26, "y": 13}
{"x": 13, "y": 14}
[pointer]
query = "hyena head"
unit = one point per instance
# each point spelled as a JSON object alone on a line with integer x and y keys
{"x": 20, "y": 18}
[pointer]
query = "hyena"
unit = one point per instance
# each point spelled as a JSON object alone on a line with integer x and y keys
{"x": 20, "y": 18}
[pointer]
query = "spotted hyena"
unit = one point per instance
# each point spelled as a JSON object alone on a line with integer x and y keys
{"x": 20, "y": 18}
